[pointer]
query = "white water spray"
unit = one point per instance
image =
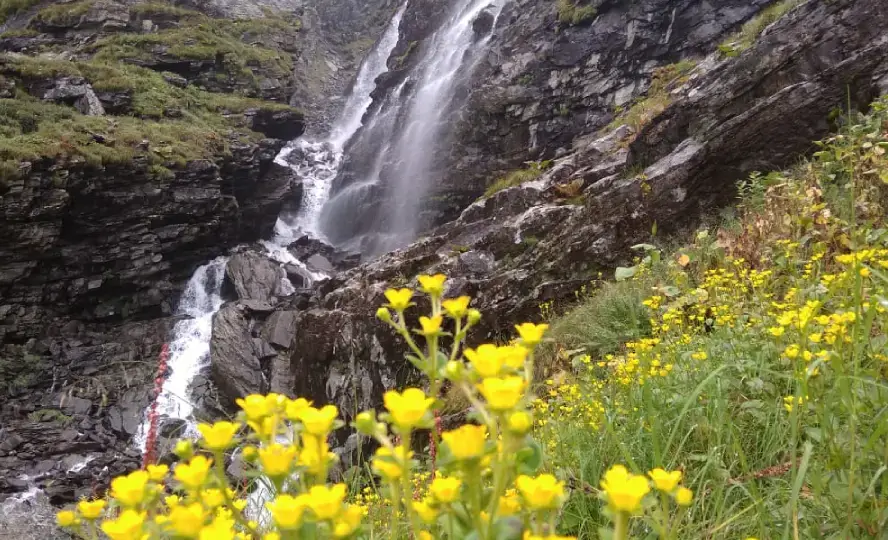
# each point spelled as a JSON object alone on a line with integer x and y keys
{"x": 190, "y": 346}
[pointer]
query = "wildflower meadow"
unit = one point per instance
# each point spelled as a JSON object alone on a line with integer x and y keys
{"x": 732, "y": 387}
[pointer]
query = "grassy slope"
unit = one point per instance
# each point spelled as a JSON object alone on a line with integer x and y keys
{"x": 699, "y": 363}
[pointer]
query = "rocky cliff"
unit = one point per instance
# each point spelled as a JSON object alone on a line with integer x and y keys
{"x": 138, "y": 142}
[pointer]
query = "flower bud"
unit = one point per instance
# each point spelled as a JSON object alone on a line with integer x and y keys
{"x": 520, "y": 422}
{"x": 384, "y": 315}
{"x": 365, "y": 423}
{"x": 250, "y": 453}
{"x": 454, "y": 371}
{"x": 184, "y": 449}
{"x": 474, "y": 316}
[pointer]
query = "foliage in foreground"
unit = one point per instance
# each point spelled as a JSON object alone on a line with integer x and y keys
{"x": 752, "y": 401}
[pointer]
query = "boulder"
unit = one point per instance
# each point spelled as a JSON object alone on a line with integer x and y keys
{"x": 235, "y": 369}
{"x": 286, "y": 124}
{"x": 253, "y": 276}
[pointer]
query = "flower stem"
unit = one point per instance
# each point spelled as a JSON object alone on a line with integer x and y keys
{"x": 621, "y": 526}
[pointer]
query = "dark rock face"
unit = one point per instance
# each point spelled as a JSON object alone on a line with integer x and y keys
{"x": 721, "y": 125}
{"x": 253, "y": 277}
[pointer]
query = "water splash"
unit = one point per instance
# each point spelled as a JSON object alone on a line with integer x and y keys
{"x": 402, "y": 138}
{"x": 190, "y": 345}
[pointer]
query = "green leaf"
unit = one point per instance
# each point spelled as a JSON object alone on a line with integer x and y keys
{"x": 623, "y": 273}
{"x": 530, "y": 458}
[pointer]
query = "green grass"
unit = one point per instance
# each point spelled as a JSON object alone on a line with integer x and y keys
{"x": 752, "y": 29}
{"x": 657, "y": 97}
{"x": 571, "y": 13}
{"x": 690, "y": 364}
{"x": 63, "y": 15}
{"x": 8, "y": 8}
{"x": 517, "y": 177}
{"x": 208, "y": 40}
{"x": 32, "y": 129}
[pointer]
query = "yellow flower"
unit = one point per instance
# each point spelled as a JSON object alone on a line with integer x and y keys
{"x": 172, "y": 500}
{"x": 271, "y": 536}
{"x": 430, "y": 326}
{"x": 66, "y": 518}
{"x": 445, "y": 489}
{"x": 624, "y": 490}
{"x": 424, "y": 535}
{"x": 318, "y": 421}
{"x": 277, "y": 459}
{"x": 513, "y": 356}
{"x": 865, "y": 272}
{"x": 315, "y": 453}
{"x": 432, "y": 285}
{"x": 326, "y": 502}
{"x": 91, "y": 509}
{"x": 502, "y": 393}
{"x": 425, "y": 511}
{"x": 509, "y": 504}
{"x": 456, "y": 308}
{"x": 128, "y": 526}
{"x": 157, "y": 472}
{"x": 683, "y": 260}
{"x": 684, "y": 496}
{"x": 664, "y": 480}
{"x": 212, "y": 497}
{"x": 295, "y": 406}
{"x": 543, "y": 491}
{"x": 792, "y": 351}
{"x": 187, "y": 520}
{"x": 520, "y": 422}
{"x": 219, "y": 436}
{"x": 486, "y": 360}
{"x": 254, "y": 405}
{"x": 407, "y": 408}
{"x": 184, "y": 449}
{"x": 466, "y": 442}
{"x": 390, "y": 465}
{"x": 265, "y": 427}
{"x": 348, "y": 521}
{"x": 194, "y": 474}
{"x": 129, "y": 490}
{"x": 287, "y": 510}
{"x": 531, "y": 334}
{"x": 399, "y": 299}
{"x": 221, "y": 528}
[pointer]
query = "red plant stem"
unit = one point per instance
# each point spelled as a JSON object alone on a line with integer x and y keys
{"x": 151, "y": 439}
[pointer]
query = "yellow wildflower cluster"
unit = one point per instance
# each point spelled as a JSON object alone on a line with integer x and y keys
{"x": 486, "y": 481}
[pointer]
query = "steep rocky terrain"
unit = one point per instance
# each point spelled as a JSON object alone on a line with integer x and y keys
{"x": 141, "y": 145}
{"x": 138, "y": 142}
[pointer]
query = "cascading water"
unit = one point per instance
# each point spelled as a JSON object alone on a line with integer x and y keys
{"x": 316, "y": 163}
{"x": 190, "y": 345}
{"x": 379, "y": 207}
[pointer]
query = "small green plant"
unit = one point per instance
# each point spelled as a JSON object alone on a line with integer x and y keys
{"x": 752, "y": 29}
{"x": 573, "y": 14}
{"x": 49, "y": 415}
{"x": 8, "y": 8}
{"x": 67, "y": 14}
{"x": 657, "y": 98}
{"x": 533, "y": 171}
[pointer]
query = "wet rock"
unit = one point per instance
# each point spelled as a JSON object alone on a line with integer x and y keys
{"x": 235, "y": 369}
{"x": 280, "y": 328}
{"x": 253, "y": 276}
{"x": 277, "y": 124}
{"x": 475, "y": 263}
{"x": 319, "y": 263}
{"x": 76, "y": 405}
{"x": 483, "y": 23}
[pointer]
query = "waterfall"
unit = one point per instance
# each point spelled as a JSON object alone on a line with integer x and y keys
{"x": 377, "y": 207}
{"x": 316, "y": 162}
{"x": 189, "y": 346}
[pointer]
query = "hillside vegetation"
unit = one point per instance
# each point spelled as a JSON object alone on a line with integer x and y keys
{"x": 732, "y": 388}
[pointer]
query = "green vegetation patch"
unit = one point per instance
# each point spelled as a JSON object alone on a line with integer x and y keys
{"x": 658, "y": 96}
{"x": 574, "y": 14}
{"x": 517, "y": 177}
{"x": 749, "y": 32}
{"x": 63, "y": 15}
{"x": 8, "y": 8}
{"x": 752, "y": 361}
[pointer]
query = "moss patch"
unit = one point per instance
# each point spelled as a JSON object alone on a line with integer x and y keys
{"x": 8, "y": 8}
{"x": 63, "y": 14}
{"x": 657, "y": 98}
{"x": 750, "y": 31}
{"x": 573, "y": 14}
{"x": 533, "y": 171}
